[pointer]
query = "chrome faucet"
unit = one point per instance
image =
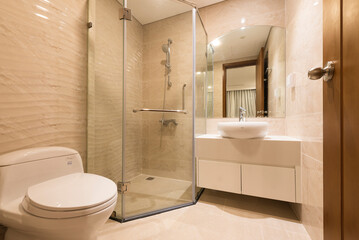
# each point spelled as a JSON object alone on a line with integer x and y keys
{"x": 242, "y": 114}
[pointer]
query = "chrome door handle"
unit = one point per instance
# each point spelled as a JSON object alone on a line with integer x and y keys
{"x": 327, "y": 72}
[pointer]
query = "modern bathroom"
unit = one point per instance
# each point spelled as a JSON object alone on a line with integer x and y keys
{"x": 179, "y": 119}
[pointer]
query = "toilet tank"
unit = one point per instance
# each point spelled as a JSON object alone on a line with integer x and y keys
{"x": 24, "y": 168}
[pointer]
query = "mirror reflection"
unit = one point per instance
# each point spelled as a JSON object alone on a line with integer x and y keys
{"x": 247, "y": 69}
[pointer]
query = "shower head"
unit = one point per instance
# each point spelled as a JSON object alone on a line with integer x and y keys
{"x": 165, "y": 48}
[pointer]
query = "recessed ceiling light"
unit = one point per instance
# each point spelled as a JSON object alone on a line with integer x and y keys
{"x": 243, "y": 20}
{"x": 216, "y": 42}
{"x": 242, "y": 28}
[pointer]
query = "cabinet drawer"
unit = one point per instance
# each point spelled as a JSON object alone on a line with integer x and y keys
{"x": 269, "y": 182}
{"x": 219, "y": 175}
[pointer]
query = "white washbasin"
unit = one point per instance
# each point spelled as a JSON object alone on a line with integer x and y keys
{"x": 243, "y": 129}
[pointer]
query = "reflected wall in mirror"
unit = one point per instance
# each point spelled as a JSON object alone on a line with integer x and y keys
{"x": 246, "y": 68}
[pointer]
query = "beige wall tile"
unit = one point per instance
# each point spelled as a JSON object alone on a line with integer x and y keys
{"x": 43, "y": 71}
{"x": 167, "y": 151}
{"x": 304, "y": 105}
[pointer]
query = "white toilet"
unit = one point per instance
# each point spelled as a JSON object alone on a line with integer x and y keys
{"x": 45, "y": 195}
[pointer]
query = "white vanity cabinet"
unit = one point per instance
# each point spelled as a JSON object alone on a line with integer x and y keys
{"x": 219, "y": 175}
{"x": 269, "y": 182}
{"x": 268, "y": 168}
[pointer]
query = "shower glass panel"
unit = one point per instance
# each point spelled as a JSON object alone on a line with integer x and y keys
{"x": 105, "y": 91}
{"x": 146, "y": 102}
{"x": 159, "y": 70}
{"x": 200, "y": 76}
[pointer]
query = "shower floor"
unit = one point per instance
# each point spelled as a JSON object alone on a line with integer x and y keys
{"x": 149, "y": 195}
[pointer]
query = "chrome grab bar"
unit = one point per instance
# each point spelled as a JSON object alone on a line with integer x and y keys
{"x": 159, "y": 110}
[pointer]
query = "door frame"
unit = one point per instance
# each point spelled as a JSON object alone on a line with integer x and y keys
{"x": 224, "y": 82}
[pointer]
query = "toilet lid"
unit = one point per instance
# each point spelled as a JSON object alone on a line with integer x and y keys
{"x": 39, "y": 212}
{"x": 72, "y": 192}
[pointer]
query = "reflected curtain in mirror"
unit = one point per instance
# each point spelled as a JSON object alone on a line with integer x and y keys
{"x": 241, "y": 98}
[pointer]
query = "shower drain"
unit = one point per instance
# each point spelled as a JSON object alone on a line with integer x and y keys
{"x": 150, "y": 178}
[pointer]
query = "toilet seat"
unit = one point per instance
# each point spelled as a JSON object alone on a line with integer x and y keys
{"x": 28, "y": 207}
{"x": 69, "y": 196}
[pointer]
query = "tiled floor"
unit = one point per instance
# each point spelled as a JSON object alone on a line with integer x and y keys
{"x": 148, "y": 195}
{"x": 217, "y": 216}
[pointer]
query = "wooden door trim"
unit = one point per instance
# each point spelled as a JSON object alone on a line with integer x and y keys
{"x": 333, "y": 122}
{"x": 224, "y": 82}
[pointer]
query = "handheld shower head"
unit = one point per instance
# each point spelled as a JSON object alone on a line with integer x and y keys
{"x": 165, "y": 48}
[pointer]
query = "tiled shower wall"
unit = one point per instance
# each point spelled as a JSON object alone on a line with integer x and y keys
{"x": 167, "y": 150}
{"x": 43, "y": 74}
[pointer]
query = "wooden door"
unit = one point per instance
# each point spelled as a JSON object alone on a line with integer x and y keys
{"x": 341, "y": 121}
{"x": 332, "y": 165}
{"x": 350, "y": 116}
{"x": 260, "y": 83}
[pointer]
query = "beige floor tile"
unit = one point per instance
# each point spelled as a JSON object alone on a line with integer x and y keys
{"x": 217, "y": 216}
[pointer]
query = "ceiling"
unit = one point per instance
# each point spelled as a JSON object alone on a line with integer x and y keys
{"x": 241, "y": 43}
{"x": 148, "y": 11}
{"x": 203, "y": 3}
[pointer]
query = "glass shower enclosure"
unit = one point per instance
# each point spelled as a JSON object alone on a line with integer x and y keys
{"x": 146, "y": 101}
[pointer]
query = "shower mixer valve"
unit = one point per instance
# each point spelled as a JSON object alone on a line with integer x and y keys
{"x": 168, "y": 121}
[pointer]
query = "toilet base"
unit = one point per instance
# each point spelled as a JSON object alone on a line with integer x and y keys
{"x": 12, "y": 234}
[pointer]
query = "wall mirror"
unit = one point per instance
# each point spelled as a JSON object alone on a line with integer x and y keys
{"x": 246, "y": 68}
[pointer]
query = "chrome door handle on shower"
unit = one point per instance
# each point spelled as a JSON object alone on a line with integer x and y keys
{"x": 327, "y": 72}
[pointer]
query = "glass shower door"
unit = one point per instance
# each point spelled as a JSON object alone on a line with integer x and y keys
{"x": 158, "y": 156}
